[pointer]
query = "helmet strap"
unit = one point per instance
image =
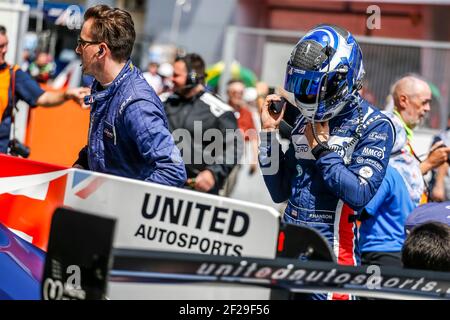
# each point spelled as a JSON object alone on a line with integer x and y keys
{"x": 356, "y": 136}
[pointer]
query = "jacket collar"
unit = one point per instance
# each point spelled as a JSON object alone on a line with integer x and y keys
{"x": 98, "y": 96}
{"x": 177, "y": 98}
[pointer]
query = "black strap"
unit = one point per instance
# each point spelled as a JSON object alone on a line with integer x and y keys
{"x": 320, "y": 149}
{"x": 13, "y": 100}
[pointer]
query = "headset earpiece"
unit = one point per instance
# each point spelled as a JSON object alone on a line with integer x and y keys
{"x": 100, "y": 51}
{"x": 193, "y": 78}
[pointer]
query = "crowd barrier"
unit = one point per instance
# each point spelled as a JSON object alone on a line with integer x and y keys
{"x": 85, "y": 241}
{"x": 150, "y": 216}
{"x": 165, "y": 234}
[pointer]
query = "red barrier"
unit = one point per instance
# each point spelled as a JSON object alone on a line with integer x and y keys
{"x": 29, "y": 193}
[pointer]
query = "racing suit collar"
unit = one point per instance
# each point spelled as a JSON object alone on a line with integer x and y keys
{"x": 101, "y": 95}
{"x": 347, "y": 109}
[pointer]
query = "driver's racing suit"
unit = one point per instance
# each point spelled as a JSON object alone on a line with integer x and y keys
{"x": 326, "y": 193}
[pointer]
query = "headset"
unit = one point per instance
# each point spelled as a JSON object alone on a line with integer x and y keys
{"x": 193, "y": 77}
{"x": 100, "y": 51}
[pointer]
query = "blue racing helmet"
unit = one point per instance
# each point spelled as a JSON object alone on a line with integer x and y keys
{"x": 324, "y": 72}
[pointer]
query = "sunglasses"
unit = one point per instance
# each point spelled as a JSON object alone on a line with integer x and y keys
{"x": 83, "y": 43}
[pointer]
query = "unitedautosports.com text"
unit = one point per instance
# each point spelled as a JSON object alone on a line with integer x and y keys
{"x": 371, "y": 279}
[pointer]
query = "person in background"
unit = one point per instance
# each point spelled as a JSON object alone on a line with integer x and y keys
{"x": 193, "y": 113}
{"x": 262, "y": 91}
{"x": 432, "y": 211}
{"x": 440, "y": 182}
{"x": 26, "y": 60}
{"x": 153, "y": 78}
{"x": 165, "y": 70}
{"x": 235, "y": 92}
{"x": 16, "y": 84}
{"x": 412, "y": 97}
{"x": 382, "y": 231}
{"x": 42, "y": 68}
{"x": 427, "y": 247}
{"x": 128, "y": 134}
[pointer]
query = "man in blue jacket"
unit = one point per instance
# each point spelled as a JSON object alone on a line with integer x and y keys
{"x": 128, "y": 134}
{"x": 382, "y": 228}
{"x": 340, "y": 144}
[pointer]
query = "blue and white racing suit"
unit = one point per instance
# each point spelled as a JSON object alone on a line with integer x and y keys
{"x": 327, "y": 193}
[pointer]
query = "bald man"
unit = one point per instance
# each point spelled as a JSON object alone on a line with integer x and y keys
{"x": 412, "y": 98}
{"x": 382, "y": 232}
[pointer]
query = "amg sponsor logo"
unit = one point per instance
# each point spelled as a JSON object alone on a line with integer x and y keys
{"x": 378, "y": 136}
{"x": 373, "y": 152}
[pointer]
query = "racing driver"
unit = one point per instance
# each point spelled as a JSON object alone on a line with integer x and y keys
{"x": 339, "y": 147}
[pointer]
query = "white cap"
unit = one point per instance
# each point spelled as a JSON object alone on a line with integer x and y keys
{"x": 250, "y": 94}
{"x": 165, "y": 70}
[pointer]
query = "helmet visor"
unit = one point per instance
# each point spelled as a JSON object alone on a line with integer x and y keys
{"x": 306, "y": 85}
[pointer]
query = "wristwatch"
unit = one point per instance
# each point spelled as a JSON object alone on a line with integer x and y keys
{"x": 320, "y": 150}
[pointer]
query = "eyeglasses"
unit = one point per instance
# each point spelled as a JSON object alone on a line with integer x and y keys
{"x": 84, "y": 43}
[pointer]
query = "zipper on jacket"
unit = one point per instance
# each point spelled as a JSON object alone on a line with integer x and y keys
{"x": 90, "y": 129}
{"x": 115, "y": 136}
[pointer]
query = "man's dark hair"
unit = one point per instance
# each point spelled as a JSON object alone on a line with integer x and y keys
{"x": 115, "y": 27}
{"x": 194, "y": 62}
{"x": 428, "y": 247}
{"x": 2, "y": 30}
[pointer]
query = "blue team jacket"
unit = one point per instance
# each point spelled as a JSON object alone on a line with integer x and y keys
{"x": 128, "y": 132}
